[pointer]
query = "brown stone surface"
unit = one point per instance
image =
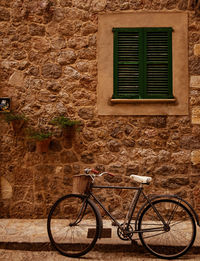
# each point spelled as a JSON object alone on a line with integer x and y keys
{"x": 53, "y": 71}
{"x": 48, "y": 66}
{"x": 196, "y": 115}
{"x": 195, "y": 81}
{"x": 197, "y": 49}
{"x": 195, "y": 157}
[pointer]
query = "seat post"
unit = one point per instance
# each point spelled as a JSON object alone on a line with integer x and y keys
{"x": 132, "y": 207}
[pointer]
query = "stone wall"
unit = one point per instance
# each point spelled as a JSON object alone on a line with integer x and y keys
{"x": 49, "y": 67}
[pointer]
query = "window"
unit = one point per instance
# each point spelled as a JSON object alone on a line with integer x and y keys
{"x": 142, "y": 63}
{"x": 137, "y": 76}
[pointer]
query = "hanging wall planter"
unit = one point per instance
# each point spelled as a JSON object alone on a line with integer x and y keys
{"x": 16, "y": 121}
{"x": 69, "y": 132}
{"x": 68, "y": 126}
{"x": 42, "y": 139}
{"x": 43, "y": 145}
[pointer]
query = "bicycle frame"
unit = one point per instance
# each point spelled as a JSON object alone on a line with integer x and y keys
{"x": 127, "y": 221}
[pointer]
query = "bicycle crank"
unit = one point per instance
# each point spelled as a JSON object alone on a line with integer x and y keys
{"x": 125, "y": 234}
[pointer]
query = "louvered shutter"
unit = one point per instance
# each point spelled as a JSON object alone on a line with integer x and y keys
{"x": 157, "y": 63}
{"x": 127, "y": 63}
{"x": 142, "y": 63}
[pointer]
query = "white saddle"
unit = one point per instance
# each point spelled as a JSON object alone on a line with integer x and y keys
{"x": 141, "y": 179}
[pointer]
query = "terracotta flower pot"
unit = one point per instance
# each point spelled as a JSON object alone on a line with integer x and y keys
{"x": 43, "y": 145}
{"x": 68, "y": 134}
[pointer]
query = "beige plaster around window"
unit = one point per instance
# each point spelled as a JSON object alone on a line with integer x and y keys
{"x": 179, "y": 22}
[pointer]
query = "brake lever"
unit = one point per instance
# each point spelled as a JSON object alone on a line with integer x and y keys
{"x": 103, "y": 173}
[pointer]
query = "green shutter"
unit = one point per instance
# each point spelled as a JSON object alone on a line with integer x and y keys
{"x": 158, "y": 63}
{"x": 126, "y": 63}
{"x": 142, "y": 63}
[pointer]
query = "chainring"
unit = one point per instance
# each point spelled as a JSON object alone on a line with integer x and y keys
{"x": 126, "y": 234}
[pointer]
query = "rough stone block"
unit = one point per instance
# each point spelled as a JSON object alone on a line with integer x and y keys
{"x": 67, "y": 57}
{"x": 197, "y": 49}
{"x": 99, "y": 5}
{"x": 87, "y": 157}
{"x": 196, "y": 115}
{"x": 195, "y": 157}
{"x": 195, "y": 81}
{"x": 89, "y": 28}
{"x": 4, "y": 14}
{"x": 52, "y": 71}
{"x": 68, "y": 157}
{"x": 174, "y": 183}
{"x": 6, "y": 189}
{"x": 16, "y": 79}
{"x": 41, "y": 45}
{"x": 36, "y": 30}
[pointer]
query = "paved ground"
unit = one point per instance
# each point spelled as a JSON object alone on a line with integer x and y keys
{"x": 35, "y": 231}
{"x": 11, "y": 255}
{"x": 24, "y": 240}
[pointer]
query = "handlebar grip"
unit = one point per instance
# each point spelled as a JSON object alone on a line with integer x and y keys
{"x": 111, "y": 174}
{"x": 97, "y": 172}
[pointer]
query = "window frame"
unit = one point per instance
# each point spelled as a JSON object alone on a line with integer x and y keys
{"x": 142, "y": 62}
{"x": 142, "y": 107}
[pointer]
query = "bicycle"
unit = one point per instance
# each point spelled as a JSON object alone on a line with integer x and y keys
{"x": 165, "y": 224}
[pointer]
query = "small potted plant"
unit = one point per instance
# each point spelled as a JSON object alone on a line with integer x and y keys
{"x": 42, "y": 139}
{"x": 68, "y": 126}
{"x": 16, "y": 121}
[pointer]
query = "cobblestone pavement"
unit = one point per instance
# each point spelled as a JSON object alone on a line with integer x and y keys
{"x": 16, "y": 255}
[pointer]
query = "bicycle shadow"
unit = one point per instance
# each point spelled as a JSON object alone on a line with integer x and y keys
{"x": 130, "y": 253}
{"x": 102, "y": 252}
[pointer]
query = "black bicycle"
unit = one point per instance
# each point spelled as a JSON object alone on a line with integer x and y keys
{"x": 165, "y": 223}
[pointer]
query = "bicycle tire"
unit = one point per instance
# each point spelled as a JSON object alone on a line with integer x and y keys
{"x": 182, "y": 229}
{"x": 74, "y": 225}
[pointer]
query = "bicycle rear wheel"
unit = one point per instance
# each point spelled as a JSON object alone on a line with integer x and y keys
{"x": 73, "y": 225}
{"x": 174, "y": 239}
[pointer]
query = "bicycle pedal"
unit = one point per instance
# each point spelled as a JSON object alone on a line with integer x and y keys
{"x": 105, "y": 233}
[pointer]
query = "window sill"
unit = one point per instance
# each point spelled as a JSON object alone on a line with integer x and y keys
{"x": 118, "y": 101}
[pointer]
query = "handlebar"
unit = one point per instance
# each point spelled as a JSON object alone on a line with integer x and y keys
{"x": 96, "y": 173}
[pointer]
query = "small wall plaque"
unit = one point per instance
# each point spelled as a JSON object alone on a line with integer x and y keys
{"x": 4, "y": 104}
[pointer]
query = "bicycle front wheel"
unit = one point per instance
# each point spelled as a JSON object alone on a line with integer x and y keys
{"x": 173, "y": 239}
{"x": 73, "y": 225}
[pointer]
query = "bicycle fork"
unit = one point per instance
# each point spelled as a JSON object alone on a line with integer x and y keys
{"x": 80, "y": 214}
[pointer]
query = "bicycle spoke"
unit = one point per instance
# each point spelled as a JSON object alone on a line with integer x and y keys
{"x": 69, "y": 222}
{"x": 173, "y": 213}
{"x": 176, "y": 238}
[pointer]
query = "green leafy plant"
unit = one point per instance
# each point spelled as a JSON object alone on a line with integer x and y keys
{"x": 38, "y": 135}
{"x": 63, "y": 122}
{"x": 16, "y": 121}
{"x": 11, "y": 116}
